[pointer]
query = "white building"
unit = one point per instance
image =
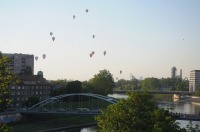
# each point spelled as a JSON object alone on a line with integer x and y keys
{"x": 20, "y": 63}
{"x": 194, "y": 80}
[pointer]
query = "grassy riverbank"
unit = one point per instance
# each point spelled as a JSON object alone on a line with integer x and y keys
{"x": 52, "y": 122}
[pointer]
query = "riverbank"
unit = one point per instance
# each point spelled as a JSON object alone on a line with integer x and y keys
{"x": 53, "y": 123}
{"x": 70, "y": 128}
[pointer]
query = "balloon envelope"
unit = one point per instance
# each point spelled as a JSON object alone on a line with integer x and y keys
{"x": 120, "y": 71}
{"x": 36, "y": 58}
{"x": 53, "y": 38}
{"x": 74, "y": 16}
{"x": 104, "y": 53}
{"x": 86, "y": 10}
{"x": 51, "y": 33}
{"x": 93, "y": 36}
{"x": 44, "y": 56}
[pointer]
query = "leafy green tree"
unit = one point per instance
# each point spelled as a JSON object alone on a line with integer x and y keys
{"x": 4, "y": 128}
{"x": 123, "y": 84}
{"x": 58, "y": 86}
{"x": 6, "y": 78}
{"x": 175, "y": 84}
{"x": 149, "y": 84}
{"x": 88, "y": 87}
{"x": 137, "y": 113}
{"x": 103, "y": 82}
{"x": 73, "y": 87}
{"x": 197, "y": 90}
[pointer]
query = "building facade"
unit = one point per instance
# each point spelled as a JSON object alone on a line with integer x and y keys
{"x": 30, "y": 86}
{"x": 194, "y": 80}
{"x": 21, "y": 63}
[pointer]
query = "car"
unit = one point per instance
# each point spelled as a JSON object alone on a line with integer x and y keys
{"x": 22, "y": 109}
{"x": 43, "y": 110}
{"x": 83, "y": 110}
{"x": 61, "y": 110}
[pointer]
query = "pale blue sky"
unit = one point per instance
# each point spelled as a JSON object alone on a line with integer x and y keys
{"x": 142, "y": 37}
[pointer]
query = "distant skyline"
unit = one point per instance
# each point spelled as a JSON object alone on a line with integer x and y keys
{"x": 143, "y": 38}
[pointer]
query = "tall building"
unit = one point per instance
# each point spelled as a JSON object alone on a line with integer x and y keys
{"x": 194, "y": 80}
{"x": 21, "y": 63}
{"x": 173, "y": 72}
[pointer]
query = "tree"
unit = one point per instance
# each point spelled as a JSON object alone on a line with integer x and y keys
{"x": 6, "y": 78}
{"x": 103, "y": 82}
{"x": 150, "y": 84}
{"x": 197, "y": 90}
{"x": 73, "y": 87}
{"x": 58, "y": 86}
{"x": 88, "y": 87}
{"x": 137, "y": 113}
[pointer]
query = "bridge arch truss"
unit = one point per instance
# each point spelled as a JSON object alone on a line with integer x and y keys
{"x": 60, "y": 97}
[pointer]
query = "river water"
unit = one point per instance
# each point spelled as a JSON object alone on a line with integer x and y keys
{"x": 187, "y": 106}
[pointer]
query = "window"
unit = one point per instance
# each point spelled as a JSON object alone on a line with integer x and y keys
{"x": 12, "y": 87}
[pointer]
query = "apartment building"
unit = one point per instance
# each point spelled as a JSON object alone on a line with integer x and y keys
{"x": 21, "y": 63}
{"x": 30, "y": 86}
{"x": 194, "y": 80}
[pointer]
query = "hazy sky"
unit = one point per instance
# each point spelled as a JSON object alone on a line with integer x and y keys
{"x": 145, "y": 38}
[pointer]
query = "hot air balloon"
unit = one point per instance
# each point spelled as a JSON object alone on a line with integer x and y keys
{"x": 93, "y": 36}
{"x": 104, "y": 53}
{"x": 36, "y": 58}
{"x": 51, "y": 33}
{"x": 44, "y": 56}
{"x": 93, "y": 52}
{"x": 120, "y": 71}
{"x": 74, "y": 16}
{"x": 53, "y": 38}
{"x": 86, "y": 10}
{"x": 90, "y": 55}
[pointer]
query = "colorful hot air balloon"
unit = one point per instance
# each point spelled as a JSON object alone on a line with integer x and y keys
{"x": 53, "y": 38}
{"x": 104, "y": 53}
{"x": 86, "y": 10}
{"x": 51, "y": 33}
{"x": 44, "y": 56}
{"x": 36, "y": 58}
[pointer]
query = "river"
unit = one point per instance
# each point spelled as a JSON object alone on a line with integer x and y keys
{"x": 187, "y": 106}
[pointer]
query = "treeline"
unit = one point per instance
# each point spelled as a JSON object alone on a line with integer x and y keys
{"x": 171, "y": 84}
{"x": 102, "y": 83}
